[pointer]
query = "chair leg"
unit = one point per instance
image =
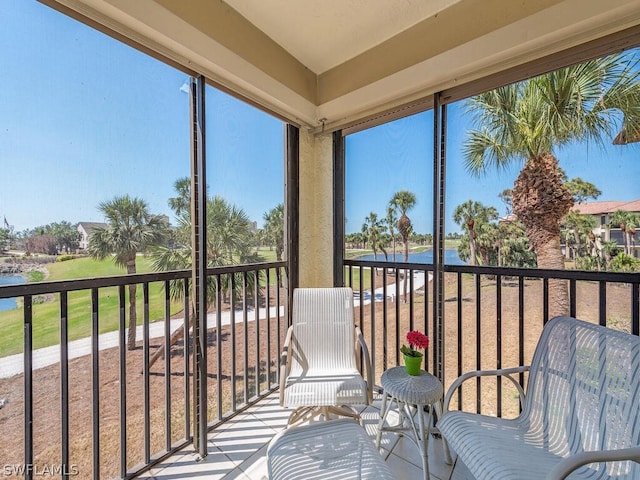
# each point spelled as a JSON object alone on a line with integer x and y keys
{"x": 302, "y": 415}
{"x": 447, "y": 452}
{"x": 306, "y": 414}
{"x": 345, "y": 411}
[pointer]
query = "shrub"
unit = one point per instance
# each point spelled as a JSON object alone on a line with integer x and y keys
{"x": 625, "y": 263}
{"x": 35, "y": 276}
{"x": 64, "y": 258}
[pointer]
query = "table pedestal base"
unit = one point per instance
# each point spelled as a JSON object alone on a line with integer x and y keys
{"x": 411, "y": 395}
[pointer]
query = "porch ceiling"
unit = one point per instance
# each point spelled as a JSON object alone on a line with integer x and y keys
{"x": 344, "y": 60}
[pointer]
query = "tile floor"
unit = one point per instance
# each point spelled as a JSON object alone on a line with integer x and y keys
{"x": 237, "y": 450}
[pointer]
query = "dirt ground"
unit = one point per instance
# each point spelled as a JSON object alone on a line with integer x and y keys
{"x": 229, "y": 384}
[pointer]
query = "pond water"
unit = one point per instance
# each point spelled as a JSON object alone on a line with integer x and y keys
{"x": 9, "y": 303}
{"x": 450, "y": 257}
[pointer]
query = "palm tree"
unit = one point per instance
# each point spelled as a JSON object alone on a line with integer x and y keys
{"x": 130, "y": 229}
{"x": 610, "y": 250}
{"x": 391, "y": 219}
{"x": 579, "y": 226}
{"x": 372, "y": 230}
{"x": 181, "y": 204}
{"x": 230, "y": 239}
{"x": 514, "y": 248}
{"x": 527, "y": 120}
{"x": 629, "y": 222}
{"x": 470, "y": 215}
{"x": 274, "y": 229}
{"x": 229, "y": 242}
{"x": 402, "y": 202}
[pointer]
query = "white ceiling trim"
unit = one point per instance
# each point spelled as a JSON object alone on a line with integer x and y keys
{"x": 324, "y": 34}
{"x": 562, "y": 26}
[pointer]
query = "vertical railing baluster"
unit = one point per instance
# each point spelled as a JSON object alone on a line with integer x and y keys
{"x": 478, "y": 341}
{"x": 147, "y": 387}
{"x": 167, "y": 364}
{"x": 95, "y": 379}
{"x": 122, "y": 345}
{"x": 361, "y": 297}
{"x": 256, "y": 296}
{"x": 187, "y": 370}
{"x": 442, "y": 329}
{"x": 545, "y": 300}
{"x": 411, "y": 302}
{"x": 499, "y": 341}
{"x": 602, "y": 303}
{"x": 459, "y": 334}
{"x": 279, "y": 323}
{"x": 521, "y": 330}
{"x": 385, "y": 325}
{"x": 232, "y": 343}
{"x": 28, "y": 385}
{"x": 359, "y": 288}
{"x": 64, "y": 382}
{"x": 219, "y": 345}
{"x": 396, "y": 307}
{"x": 635, "y": 309}
{"x": 268, "y": 309}
{"x": 425, "y": 325}
{"x": 572, "y": 297}
{"x": 245, "y": 323}
{"x": 372, "y": 308}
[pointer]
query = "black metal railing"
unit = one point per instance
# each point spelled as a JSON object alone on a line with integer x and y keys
{"x": 492, "y": 317}
{"x": 143, "y": 412}
{"x": 118, "y": 403}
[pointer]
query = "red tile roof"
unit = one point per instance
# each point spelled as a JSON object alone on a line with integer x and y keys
{"x": 599, "y": 208}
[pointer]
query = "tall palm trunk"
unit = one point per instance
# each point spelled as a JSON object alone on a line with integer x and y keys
{"x": 473, "y": 248}
{"x": 550, "y": 256}
{"x": 541, "y": 200}
{"x": 133, "y": 317}
{"x": 404, "y": 227}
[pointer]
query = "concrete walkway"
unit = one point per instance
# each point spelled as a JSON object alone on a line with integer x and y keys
{"x": 418, "y": 282}
{"x": 43, "y": 357}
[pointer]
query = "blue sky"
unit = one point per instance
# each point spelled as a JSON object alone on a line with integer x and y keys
{"x": 398, "y": 156}
{"x": 84, "y": 118}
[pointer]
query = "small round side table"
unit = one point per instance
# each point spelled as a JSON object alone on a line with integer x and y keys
{"x": 411, "y": 394}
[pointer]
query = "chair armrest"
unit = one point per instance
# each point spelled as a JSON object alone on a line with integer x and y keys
{"x": 503, "y": 372}
{"x": 285, "y": 363}
{"x": 367, "y": 364}
{"x": 569, "y": 464}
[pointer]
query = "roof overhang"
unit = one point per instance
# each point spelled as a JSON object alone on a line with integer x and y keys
{"x": 368, "y": 60}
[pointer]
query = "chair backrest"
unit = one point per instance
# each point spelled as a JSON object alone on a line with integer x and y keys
{"x": 323, "y": 328}
{"x": 584, "y": 390}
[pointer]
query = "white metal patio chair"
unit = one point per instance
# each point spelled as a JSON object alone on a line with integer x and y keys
{"x": 332, "y": 450}
{"x": 580, "y": 416}
{"x": 319, "y": 365}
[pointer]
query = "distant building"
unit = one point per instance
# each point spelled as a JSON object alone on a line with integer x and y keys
{"x": 85, "y": 229}
{"x": 602, "y": 212}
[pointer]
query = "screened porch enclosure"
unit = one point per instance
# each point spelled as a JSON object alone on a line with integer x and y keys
{"x": 196, "y": 397}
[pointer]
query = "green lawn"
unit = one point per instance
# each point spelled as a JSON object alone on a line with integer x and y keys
{"x": 46, "y": 316}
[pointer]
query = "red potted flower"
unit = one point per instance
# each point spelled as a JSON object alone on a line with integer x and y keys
{"x": 412, "y": 357}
